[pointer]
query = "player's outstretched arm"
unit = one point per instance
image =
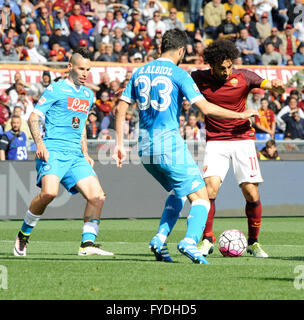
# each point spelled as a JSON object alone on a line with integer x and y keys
{"x": 119, "y": 154}
{"x": 33, "y": 123}
{"x": 210, "y": 109}
{"x": 275, "y": 85}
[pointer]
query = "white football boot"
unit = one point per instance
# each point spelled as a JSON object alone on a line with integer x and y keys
{"x": 256, "y": 250}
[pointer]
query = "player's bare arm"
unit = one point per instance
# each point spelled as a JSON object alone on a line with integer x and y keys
{"x": 210, "y": 109}
{"x": 33, "y": 123}
{"x": 119, "y": 154}
{"x": 274, "y": 85}
{"x": 84, "y": 147}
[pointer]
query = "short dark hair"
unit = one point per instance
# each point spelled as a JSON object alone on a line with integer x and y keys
{"x": 219, "y": 51}
{"x": 84, "y": 52}
{"x": 174, "y": 39}
{"x": 270, "y": 143}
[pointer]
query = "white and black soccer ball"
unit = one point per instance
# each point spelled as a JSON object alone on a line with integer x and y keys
{"x": 232, "y": 243}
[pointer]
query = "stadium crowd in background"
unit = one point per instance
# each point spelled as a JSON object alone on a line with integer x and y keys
{"x": 266, "y": 32}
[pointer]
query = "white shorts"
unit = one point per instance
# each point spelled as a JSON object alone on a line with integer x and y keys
{"x": 243, "y": 156}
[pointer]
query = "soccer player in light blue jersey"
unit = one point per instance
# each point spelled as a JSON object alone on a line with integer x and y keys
{"x": 158, "y": 89}
{"x": 62, "y": 155}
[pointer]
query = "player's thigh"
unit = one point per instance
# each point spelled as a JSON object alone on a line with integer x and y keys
{"x": 199, "y": 194}
{"x": 90, "y": 188}
{"x": 79, "y": 170}
{"x": 216, "y": 159}
{"x": 245, "y": 162}
{"x": 50, "y": 185}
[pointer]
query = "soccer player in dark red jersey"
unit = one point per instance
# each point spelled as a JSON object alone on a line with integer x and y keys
{"x": 231, "y": 140}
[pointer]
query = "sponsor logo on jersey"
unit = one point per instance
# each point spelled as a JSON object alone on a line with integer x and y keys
{"x": 234, "y": 81}
{"x": 75, "y": 122}
{"x": 41, "y": 101}
{"x": 76, "y": 104}
{"x": 50, "y": 88}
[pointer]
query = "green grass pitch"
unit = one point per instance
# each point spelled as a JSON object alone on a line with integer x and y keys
{"x": 52, "y": 269}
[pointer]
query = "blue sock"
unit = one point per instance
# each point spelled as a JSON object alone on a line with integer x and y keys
{"x": 90, "y": 230}
{"x": 171, "y": 212}
{"x": 197, "y": 218}
{"x": 26, "y": 229}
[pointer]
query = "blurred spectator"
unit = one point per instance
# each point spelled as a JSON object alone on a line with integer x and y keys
{"x": 190, "y": 56}
{"x": 191, "y": 129}
{"x": 58, "y": 37}
{"x": 269, "y": 152}
{"x": 108, "y": 56}
{"x": 103, "y": 37}
{"x": 135, "y": 7}
{"x": 294, "y": 125}
{"x": 227, "y": 29}
{"x": 292, "y": 105}
{"x": 264, "y": 27}
{"x": 24, "y": 126}
{"x": 13, "y": 142}
{"x": 276, "y": 101}
{"x": 199, "y": 50}
{"x": 10, "y": 11}
{"x": 65, "y": 5}
{"x": 104, "y": 85}
{"x": 78, "y": 34}
{"x": 32, "y": 32}
{"x": 117, "y": 50}
{"x": 279, "y": 14}
{"x": 34, "y": 55}
{"x": 138, "y": 47}
{"x": 250, "y": 8}
{"x": 274, "y": 39}
{"x": 114, "y": 88}
{"x": 4, "y": 110}
{"x": 45, "y": 25}
{"x": 107, "y": 124}
{"x": 214, "y": 14}
{"x": 43, "y": 84}
{"x": 21, "y": 51}
{"x": 92, "y": 126}
{"x": 101, "y": 50}
{"x": 195, "y": 12}
{"x": 298, "y": 58}
{"x": 265, "y": 122}
{"x": 25, "y": 103}
{"x": 107, "y": 21}
{"x": 147, "y": 40}
{"x": 150, "y": 8}
{"x": 76, "y": 16}
{"x": 155, "y": 24}
{"x": 104, "y": 105}
{"x": 120, "y": 22}
{"x": 173, "y": 22}
{"x": 289, "y": 43}
{"x": 182, "y": 123}
{"x": 100, "y": 8}
{"x": 136, "y": 22}
{"x": 250, "y": 25}
{"x": 63, "y": 22}
{"x": 237, "y": 11}
{"x": 271, "y": 57}
{"x": 117, "y": 5}
{"x": 254, "y": 99}
{"x": 87, "y": 10}
{"x": 248, "y": 48}
{"x": 266, "y": 6}
{"x": 186, "y": 109}
{"x": 7, "y": 52}
{"x": 130, "y": 124}
{"x": 22, "y": 23}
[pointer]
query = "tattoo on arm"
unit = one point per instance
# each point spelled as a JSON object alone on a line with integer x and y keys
{"x": 84, "y": 145}
{"x": 35, "y": 130}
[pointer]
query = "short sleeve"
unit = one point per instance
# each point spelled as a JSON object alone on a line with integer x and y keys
{"x": 4, "y": 142}
{"x": 46, "y": 100}
{"x": 189, "y": 88}
{"x": 128, "y": 94}
{"x": 253, "y": 80}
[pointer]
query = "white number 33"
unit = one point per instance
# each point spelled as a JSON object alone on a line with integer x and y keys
{"x": 161, "y": 97}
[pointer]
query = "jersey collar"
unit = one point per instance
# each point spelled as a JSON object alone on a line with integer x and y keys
{"x": 71, "y": 84}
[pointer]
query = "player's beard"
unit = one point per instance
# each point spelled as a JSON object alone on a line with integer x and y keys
{"x": 75, "y": 78}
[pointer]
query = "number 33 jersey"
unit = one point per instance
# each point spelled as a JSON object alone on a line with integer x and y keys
{"x": 158, "y": 88}
{"x": 65, "y": 108}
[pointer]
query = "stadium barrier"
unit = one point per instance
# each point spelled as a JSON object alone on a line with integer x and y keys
{"x": 133, "y": 193}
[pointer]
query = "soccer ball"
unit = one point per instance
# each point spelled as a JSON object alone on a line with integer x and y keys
{"x": 232, "y": 243}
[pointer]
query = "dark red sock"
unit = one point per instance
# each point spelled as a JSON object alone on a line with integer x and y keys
{"x": 208, "y": 232}
{"x": 254, "y": 215}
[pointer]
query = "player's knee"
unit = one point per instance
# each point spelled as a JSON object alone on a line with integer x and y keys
{"x": 48, "y": 197}
{"x": 97, "y": 200}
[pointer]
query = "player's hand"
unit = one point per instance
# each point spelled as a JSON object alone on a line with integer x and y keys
{"x": 119, "y": 156}
{"x": 248, "y": 113}
{"x": 278, "y": 85}
{"x": 42, "y": 152}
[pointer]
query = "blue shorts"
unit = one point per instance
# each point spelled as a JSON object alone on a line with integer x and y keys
{"x": 69, "y": 167}
{"x": 178, "y": 172}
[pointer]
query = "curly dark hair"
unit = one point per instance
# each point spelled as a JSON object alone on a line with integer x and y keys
{"x": 220, "y": 50}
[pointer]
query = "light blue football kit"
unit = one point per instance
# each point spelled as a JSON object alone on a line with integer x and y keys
{"x": 158, "y": 88}
{"x": 65, "y": 108}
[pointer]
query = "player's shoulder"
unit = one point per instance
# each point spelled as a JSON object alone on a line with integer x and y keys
{"x": 87, "y": 92}
{"x": 200, "y": 74}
